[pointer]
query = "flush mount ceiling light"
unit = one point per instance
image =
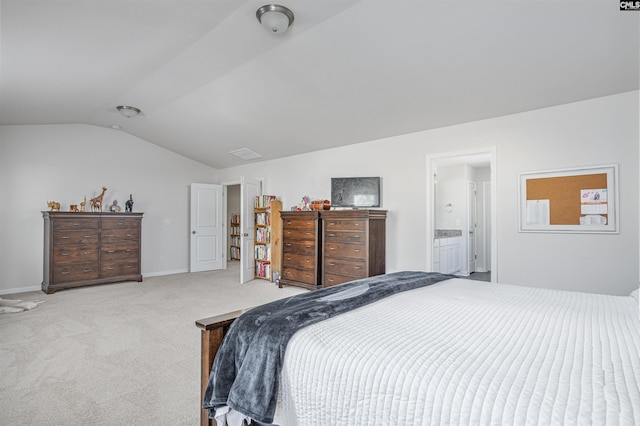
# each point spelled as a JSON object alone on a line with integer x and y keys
{"x": 128, "y": 111}
{"x": 275, "y": 18}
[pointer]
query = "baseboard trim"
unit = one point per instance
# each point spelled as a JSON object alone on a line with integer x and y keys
{"x": 20, "y": 290}
{"x": 161, "y": 273}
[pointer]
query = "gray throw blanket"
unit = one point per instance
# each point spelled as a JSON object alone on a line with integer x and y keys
{"x": 246, "y": 370}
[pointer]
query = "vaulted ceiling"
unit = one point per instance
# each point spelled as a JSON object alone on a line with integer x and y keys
{"x": 209, "y": 79}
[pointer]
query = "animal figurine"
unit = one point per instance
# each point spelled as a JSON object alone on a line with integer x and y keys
{"x": 96, "y": 203}
{"x": 128, "y": 206}
{"x": 83, "y": 204}
{"x": 53, "y": 205}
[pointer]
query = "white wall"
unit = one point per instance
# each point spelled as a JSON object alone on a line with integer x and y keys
{"x": 67, "y": 162}
{"x": 598, "y": 131}
{"x": 40, "y": 163}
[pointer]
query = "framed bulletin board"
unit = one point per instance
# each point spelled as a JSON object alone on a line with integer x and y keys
{"x": 581, "y": 200}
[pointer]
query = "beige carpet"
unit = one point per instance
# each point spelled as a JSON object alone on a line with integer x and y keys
{"x": 118, "y": 354}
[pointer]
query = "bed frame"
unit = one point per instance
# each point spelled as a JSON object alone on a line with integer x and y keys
{"x": 213, "y": 330}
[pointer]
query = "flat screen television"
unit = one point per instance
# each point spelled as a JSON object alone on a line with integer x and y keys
{"x": 355, "y": 192}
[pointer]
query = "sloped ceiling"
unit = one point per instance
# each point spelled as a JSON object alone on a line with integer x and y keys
{"x": 209, "y": 79}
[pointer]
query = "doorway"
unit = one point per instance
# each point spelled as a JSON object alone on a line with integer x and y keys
{"x": 454, "y": 183}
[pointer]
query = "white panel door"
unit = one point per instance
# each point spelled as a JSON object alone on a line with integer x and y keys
{"x": 207, "y": 230}
{"x": 249, "y": 190}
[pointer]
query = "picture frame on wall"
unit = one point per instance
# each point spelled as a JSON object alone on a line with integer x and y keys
{"x": 580, "y": 200}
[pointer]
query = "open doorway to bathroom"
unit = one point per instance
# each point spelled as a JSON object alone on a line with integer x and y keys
{"x": 461, "y": 210}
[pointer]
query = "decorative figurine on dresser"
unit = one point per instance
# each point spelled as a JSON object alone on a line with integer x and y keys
{"x": 87, "y": 248}
{"x": 96, "y": 203}
{"x": 128, "y": 205}
{"x": 115, "y": 208}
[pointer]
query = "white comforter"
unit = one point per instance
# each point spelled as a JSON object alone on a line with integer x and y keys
{"x": 472, "y": 353}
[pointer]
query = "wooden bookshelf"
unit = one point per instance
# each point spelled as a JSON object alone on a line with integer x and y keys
{"x": 268, "y": 236}
{"x": 234, "y": 234}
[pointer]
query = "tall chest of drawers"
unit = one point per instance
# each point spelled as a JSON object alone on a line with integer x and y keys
{"x": 89, "y": 248}
{"x": 301, "y": 244}
{"x": 353, "y": 245}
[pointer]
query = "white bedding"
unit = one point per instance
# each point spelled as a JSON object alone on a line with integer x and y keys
{"x": 466, "y": 352}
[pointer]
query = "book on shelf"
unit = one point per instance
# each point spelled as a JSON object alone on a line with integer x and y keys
{"x": 235, "y": 218}
{"x": 262, "y": 253}
{"x": 264, "y": 201}
{"x": 263, "y": 269}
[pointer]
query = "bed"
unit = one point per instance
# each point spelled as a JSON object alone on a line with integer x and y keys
{"x": 456, "y": 352}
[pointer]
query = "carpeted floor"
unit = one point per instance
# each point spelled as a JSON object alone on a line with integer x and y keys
{"x": 116, "y": 354}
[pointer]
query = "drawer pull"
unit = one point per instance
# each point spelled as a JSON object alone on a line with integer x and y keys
{"x": 287, "y": 258}
{"x": 357, "y": 236}
{"x": 356, "y": 250}
{"x": 65, "y": 238}
{"x": 307, "y": 261}
{"x": 332, "y": 235}
{"x": 288, "y": 244}
{"x": 128, "y": 250}
{"x": 110, "y": 268}
{"x": 357, "y": 267}
{"x": 332, "y": 248}
{"x": 120, "y": 223}
{"x": 111, "y": 251}
{"x": 129, "y": 235}
{"x": 87, "y": 236}
{"x": 309, "y": 246}
{"x": 76, "y": 224}
{"x": 64, "y": 254}
{"x": 87, "y": 270}
{"x": 65, "y": 273}
{"x": 332, "y": 264}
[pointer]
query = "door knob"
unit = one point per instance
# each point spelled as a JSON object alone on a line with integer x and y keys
{"x": 193, "y": 232}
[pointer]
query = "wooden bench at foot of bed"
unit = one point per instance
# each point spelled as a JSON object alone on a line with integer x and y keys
{"x": 213, "y": 330}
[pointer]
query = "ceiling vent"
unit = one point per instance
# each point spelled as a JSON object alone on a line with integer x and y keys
{"x": 246, "y": 154}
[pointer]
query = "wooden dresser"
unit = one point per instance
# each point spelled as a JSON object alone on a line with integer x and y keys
{"x": 353, "y": 245}
{"x": 89, "y": 248}
{"x": 301, "y": 243}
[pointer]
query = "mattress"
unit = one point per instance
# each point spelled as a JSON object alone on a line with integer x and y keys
{"x": 468, "y": 352}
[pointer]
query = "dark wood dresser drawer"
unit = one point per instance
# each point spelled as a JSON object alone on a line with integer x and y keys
{"x": 298, "y": 223}
{"x": 70, "y": 224}
{"x": 119, "y": 268}
{"x": 307, "y": 276}
{"x": 111, "y": 253}
{"x": 330, "y": 279}
{"x": 299, "y": 247}
{"x": 85, "y": 236}
{"x": 354, "y": 251}
{"x": 348, "y": 267}
{"x": 112, "y": 223}
{"x": 302, "y": 234}
{"x": 64, "y": 254}
{"x": 119, "y": 236}
{"x": 299, "y": 260}
{"x": 345, "y": 225}
{"x": 75, "y": 272}
{"x": 345, "y": 237}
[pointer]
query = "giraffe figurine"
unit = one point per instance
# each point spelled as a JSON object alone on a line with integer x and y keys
{"x": 96, "y": 203}
{"x": 83, "y": 204}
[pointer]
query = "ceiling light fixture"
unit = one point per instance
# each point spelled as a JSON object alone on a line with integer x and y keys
{"x": 275, "y": 18}
{"x": 128, "y": 111}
